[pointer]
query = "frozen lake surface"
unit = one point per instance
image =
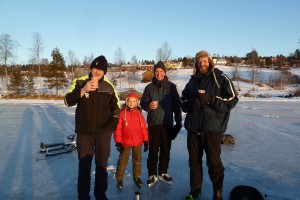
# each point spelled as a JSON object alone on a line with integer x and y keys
{"x": 266, "y": 154}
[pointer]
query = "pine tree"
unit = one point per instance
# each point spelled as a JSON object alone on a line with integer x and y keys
{"x": 55, "y": 75}
{"x": 30, "y": 84}
{"x": 17, "y": 82}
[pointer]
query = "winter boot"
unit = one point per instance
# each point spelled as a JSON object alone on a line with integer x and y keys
{"x": 193, "y": 194}
{"x": 166, "y": 178}
{"x": 217, "y": 193}
{"x": 138, "y": 182}
{"x": 152, "y": 180}
{"x": 119, "y": 184}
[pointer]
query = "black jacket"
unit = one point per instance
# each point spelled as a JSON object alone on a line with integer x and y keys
{"x": 98, "y": 111}
{"x": 213, "y": 117}
{"x": 165, "y": 92}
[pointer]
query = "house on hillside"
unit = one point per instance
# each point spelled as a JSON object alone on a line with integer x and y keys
{"x": 173, "y": 65}
{"x": 129, "y": 67}
{"x": 220, "y": 61}
{"x": 31, "y": 72}
{"x": 113, "y": 69}
{"x": 146, "y": 67}
{"x": 147, "y": 76}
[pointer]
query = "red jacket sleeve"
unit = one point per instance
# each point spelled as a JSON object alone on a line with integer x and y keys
{"x": 118, "y": 132}
{"x": 145, "y": 130}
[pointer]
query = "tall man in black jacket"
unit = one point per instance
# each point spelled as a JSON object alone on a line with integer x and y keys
{"x": 207, "y": 99}
{"x": 161, "y": 101}
{"x": 96, "y": 118}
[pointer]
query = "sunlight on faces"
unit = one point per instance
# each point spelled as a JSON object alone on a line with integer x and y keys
{"x": 203, "y": 65}
{"x": 98, "y": 73}
{"x": 159, "y": 74}
{"x": 132, "y": 102}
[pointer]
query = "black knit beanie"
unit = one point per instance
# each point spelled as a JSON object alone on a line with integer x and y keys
{"x": 161, "y": 65}
{"x": 100, "y": 63}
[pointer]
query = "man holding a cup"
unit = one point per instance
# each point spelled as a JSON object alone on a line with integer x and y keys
{"x": 96, "y": 118}
{"x": 161, "y": 102}
{"x": 207, "y": 99}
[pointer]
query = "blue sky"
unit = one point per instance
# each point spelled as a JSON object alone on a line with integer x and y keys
{"x": 140, "y": 27}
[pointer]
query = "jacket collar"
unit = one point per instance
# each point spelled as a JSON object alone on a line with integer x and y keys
{"x": 159, "y": 83}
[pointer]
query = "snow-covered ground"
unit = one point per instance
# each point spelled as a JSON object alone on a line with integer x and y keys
{"x": 266, "y": 154}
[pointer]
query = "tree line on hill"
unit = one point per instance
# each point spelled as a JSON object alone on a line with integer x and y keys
{"x": 19, "y": 79}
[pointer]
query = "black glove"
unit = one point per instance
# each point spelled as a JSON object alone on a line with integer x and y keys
{"x": 119, "y": 146}
{"x": 194, "y": 104}
{"x": 146, "y": 146}
{"x": 206, "y": 98}
{"x": 175, "y": 130}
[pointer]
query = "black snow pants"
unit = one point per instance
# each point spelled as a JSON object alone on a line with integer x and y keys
{"x": 89, "y": 145}
{"x": 159, "y": 149}
{"x": 211, "y": 144}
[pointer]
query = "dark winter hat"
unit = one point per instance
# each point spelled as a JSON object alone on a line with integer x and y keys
{"x": 161, "y": 65}
{"x": 100, "y": 63}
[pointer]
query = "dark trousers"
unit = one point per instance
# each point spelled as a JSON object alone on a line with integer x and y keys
{"x": 123, "y": 160}
{"x": 88, "y": 146}
{"x": 211, "y": 144}
{"x": 159, "y": 143}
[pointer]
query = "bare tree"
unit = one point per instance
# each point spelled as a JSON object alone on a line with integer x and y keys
{"x": 119, "y": 61}
{"x": 281, "y": 59}
{"x": 252, "y": 59}
{"x": 73, "y": 61}
{"x": 91, "y": 58}
{"x": 253, "y": 74}
{"x": 131, "y": 79}
{"x": 36, "y": 50}
{"x": 7, "y": 47}
{"x": 134, "y": 60}
{"x": 164, "y": 52}
{"x": 119, "y": 57}
{"x": 236, "y": 75}
{"x": 132, "y": 75}
{"x": 87, "y": 62}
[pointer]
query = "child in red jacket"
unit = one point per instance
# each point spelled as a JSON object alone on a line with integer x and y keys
{"x": 130, "y": 134}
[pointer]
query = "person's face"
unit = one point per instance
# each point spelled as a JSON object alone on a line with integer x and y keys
{"x": 132, "y": 102}
{"x": 203, "y": 65}
{"x": 159, "y": 74}
{"x": 98, "y": 73}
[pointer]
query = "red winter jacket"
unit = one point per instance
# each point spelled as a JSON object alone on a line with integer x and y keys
{"x": 131, "y": 129}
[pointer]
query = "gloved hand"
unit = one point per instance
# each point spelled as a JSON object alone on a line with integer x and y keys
{"x": 119, "y": 146}
{"x": 205, "y": 98}
{"x": 175, "y": 130}
{"x": 185, "y": 106}
{"x": 146, "y": 146}
{"x": 194, "y": 104}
